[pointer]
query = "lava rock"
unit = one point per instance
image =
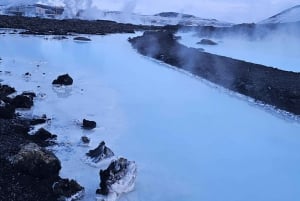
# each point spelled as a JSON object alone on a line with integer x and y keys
{"x": 67, "y": 189}
{"x": 43, "y": 137}
{"x": 121, "y": 173}
{"x": 7, "y": 111}
{"x": 86, "y": 124}
{"x": 100, "y": 153}
{"x": 63, "y": 80}
{"x": 36, "y": 161}
{"x": 207, "y": 42}
{"x": 80, "y": 38}
{"x": 85, "y": 139}
{"x": 6, "y": 90}
{"x": 29, "y": 93}
{"x": 22, "y": 101}
{"x": 59, "y": 37}
{"x": 37, "y": 121}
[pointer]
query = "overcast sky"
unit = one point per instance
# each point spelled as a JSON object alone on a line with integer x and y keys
{"x": 236, "y": 11}
{"x": 228, "y": 10}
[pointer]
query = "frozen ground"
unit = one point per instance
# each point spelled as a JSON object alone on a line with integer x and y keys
{"x": 278, "y": 50}
{"x": 191, "y": 140}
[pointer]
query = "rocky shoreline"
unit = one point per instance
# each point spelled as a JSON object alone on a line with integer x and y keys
{"x": 265, "y": 84}
{"x": 30, "y": 171}
{"x": 39, "y": 26}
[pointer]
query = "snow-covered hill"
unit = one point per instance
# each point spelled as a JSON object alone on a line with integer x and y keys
{"x": 160, "y": 19}
{"x": 289, "y": 15}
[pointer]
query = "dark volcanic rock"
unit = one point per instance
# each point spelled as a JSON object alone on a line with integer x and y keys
{"x": 6, "y": 90}
{"x": 85, "y": 139}
{"x": 39, "y": 26}
{"x": 100, "y": 153}
{"x": 118, "y": 170}
{"x": 29, "y": 93}
{"x": 43, "y": 137}
{"x": 207, "y": 42}
{"x": 59, "y": 37}
{"x": 86, "y": 124}
{"x": 63, "y": 80}
{"x": 37, "y": 121}
{"x": 265, "y": 84}
{"x": 80, "y": 38}
{"x": 66, "y": 189}
{"x": 22, "y": 101}
{"x": 7, "y": 111}
{"x": 36, "y": 161}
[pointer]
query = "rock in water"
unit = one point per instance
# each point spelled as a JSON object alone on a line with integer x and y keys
{"x": 100, "y": 153}
{"x": 67, "y": 189}
{"x": 85, "y": 139}
{"x": 118, "y": 178}
{"x": 6, "y": 90}
{"x": 22, "y": 101}
{"x": 63, "y": 80}
{"x": 7, "y": 111}
{"x": 207, "y": 42}
{"x": 86, "y": 124}
{"x": 43, "y": 137}
{"x": 80, "y": 38}
{"x": 36, "y": 161}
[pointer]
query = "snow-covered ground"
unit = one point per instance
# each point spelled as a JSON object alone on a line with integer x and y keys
{"x": 191, "y": 140}
{"x": 277, "y": 50}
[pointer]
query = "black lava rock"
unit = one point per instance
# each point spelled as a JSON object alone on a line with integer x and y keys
{"x": 207, "y": 42}
{"x": 7, "y": 111}
{"x": 100, "y": 153}
{"x": 66, "y": 188}
{"x": 6, "y": 90}
{"x": 80, "y": 38}
{"x": 86, "y": 124}
{"x": 22, "y": 101}
{"x": 63, "y": 80}
{"x": 116, "y": 171}
{"x": 36, "y": 161}
{"x": 43, "y": 137}
{"x": 29, "y": 93}
{"x": 85, "y": 139}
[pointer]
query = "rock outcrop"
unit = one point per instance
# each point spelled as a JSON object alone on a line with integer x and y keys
{"x": 22, "y": 101}
{"x": 67, "y": 189}
{"x": 63, "y": 80}
{"x": 100, "y": 153}
{"x": 36, "y": 161}
{"x": 118, "y": 178}
{"x": 80, "y": 38}
{"x": 87, "y": 124}
{"x": 207, "y": 42}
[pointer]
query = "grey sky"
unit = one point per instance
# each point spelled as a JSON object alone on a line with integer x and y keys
{"x": 228, "y": 10}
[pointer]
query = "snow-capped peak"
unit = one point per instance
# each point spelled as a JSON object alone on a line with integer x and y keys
{"x": 289, "y": 15}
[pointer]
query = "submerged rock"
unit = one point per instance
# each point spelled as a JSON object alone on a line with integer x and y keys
{"x": 85, "y": 139}
{"x": 118, "y": 178}
{"x": 207, "y": 42}
{"x": 80, "y": 38}
{"x": 100, "y": 153}
{"x": 86, "y": 124}
{"x": 63, "y": 80}
{"x": 67, "y": 189}
{"x": 36, "y": 161}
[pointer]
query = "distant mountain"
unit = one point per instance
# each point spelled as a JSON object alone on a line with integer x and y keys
{"x": 286, "y": 16}
{"x": 164, "y": 18}
{"x": 160, "y": 19}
